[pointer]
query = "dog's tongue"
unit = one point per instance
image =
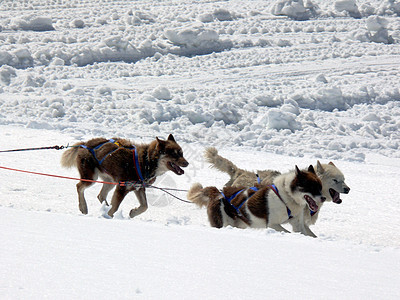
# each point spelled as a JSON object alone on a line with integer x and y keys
{"x": 177, "y": 169}
{"x": 335, "y": 196}
{"x": 311, "y": 203}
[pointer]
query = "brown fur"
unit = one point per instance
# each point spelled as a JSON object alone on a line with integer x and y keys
{"x": 257, "y": 206}
{"x": 154, "y": 159}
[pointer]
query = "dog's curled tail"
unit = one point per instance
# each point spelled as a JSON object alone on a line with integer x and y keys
{"x": 220, "y": 163}
{"x": 197, "y": 196}
{"x": 68, "y": 158}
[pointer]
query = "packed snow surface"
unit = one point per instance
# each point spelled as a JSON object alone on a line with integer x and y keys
{"x": 241, "y": 74}
{"x": 271, "y": 84}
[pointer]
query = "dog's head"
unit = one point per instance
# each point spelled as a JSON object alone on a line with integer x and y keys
{"x": 332, "y": 182}
{"x": 309, "y": 186}
{"x": 170, "y": 156}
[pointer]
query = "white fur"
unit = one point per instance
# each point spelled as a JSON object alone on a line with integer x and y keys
{"x": 294, "y": 201}
{"x": 331, "y": 177}
{"x": 162, "y": 165}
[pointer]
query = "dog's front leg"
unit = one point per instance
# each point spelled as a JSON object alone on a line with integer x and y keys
{"x": 141, "y": 196}
{"x": 307, "y": 231}
{"x": 119, "y": 195}
{"x": 278, "y": 227}
{"x": 299, "y": 225}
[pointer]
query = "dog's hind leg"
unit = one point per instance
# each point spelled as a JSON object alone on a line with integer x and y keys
{"x": 214, "y": 212}
{"x": 81, "y": 186}
{"x": 141, "y": 196}
{"x": 102, "y": 196}
{"x": 87, "y": 170}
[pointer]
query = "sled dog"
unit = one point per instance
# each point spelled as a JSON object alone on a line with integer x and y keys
{"x": 262, "y": 206}
{"x": 119, "y": 160}
{"x": 333, "y": 181}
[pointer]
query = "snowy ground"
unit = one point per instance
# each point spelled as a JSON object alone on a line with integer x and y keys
{"x": 271, "y": 84}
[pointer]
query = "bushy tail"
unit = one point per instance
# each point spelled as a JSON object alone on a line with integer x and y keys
{"x": 68, "y": 159}
{"x": 197, "y": 195}
{"x": 220, "y": 163}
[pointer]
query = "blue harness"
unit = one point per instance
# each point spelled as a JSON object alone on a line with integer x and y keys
{"x": 135, "y": 156}
{"x": 275, "y": 189}
{"x": 234, "y": 195}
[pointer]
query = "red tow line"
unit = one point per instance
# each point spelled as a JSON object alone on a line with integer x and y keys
{"x": 59, "y": 176}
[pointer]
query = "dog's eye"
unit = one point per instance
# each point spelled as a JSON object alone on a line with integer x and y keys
{"x": 335, "y": 181}
{"x": 177, "y": 153}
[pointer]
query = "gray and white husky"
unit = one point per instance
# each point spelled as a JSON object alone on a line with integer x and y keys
{"x": 333, "y": 181}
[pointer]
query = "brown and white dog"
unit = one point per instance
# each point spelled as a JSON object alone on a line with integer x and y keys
{"x": 333, "y": 181}
{"x": 269, "y": 206}
{"x": 119, "y": 160}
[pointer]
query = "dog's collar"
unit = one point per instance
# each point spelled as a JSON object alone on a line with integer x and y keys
{"x": 275, "y": 189}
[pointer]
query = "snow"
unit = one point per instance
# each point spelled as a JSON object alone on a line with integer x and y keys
{"x": 292, "y": 8}
{"x": 270, "y": 84}
{"x": 64, "y": 256}
{"x": 32, "y": 23}
{"x": 349, "y": 6}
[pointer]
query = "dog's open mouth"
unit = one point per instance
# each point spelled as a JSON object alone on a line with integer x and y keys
{"x": 175, "y": 168}
{"x": 311, "y": 203}
{"x": 335, "y": 196}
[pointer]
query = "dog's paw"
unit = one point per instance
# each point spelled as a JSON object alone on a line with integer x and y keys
{"x": 83, "y": 208}
{"x": 104, "y": 211}
{"x": 133, "y": 213}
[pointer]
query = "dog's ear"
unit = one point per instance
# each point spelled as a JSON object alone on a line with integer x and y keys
{"x": 298, "y": 172}
{"x": 332, "y": 164}
{"x": 311, "y": 169}
{"x": 160, "y": 145}
{"x": 171, "y": 138}
{"x": 320, "y": 168}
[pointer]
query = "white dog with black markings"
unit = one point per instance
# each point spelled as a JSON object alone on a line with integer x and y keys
{"x": 263, "y": 206}
{"x": 333, "y": 182}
